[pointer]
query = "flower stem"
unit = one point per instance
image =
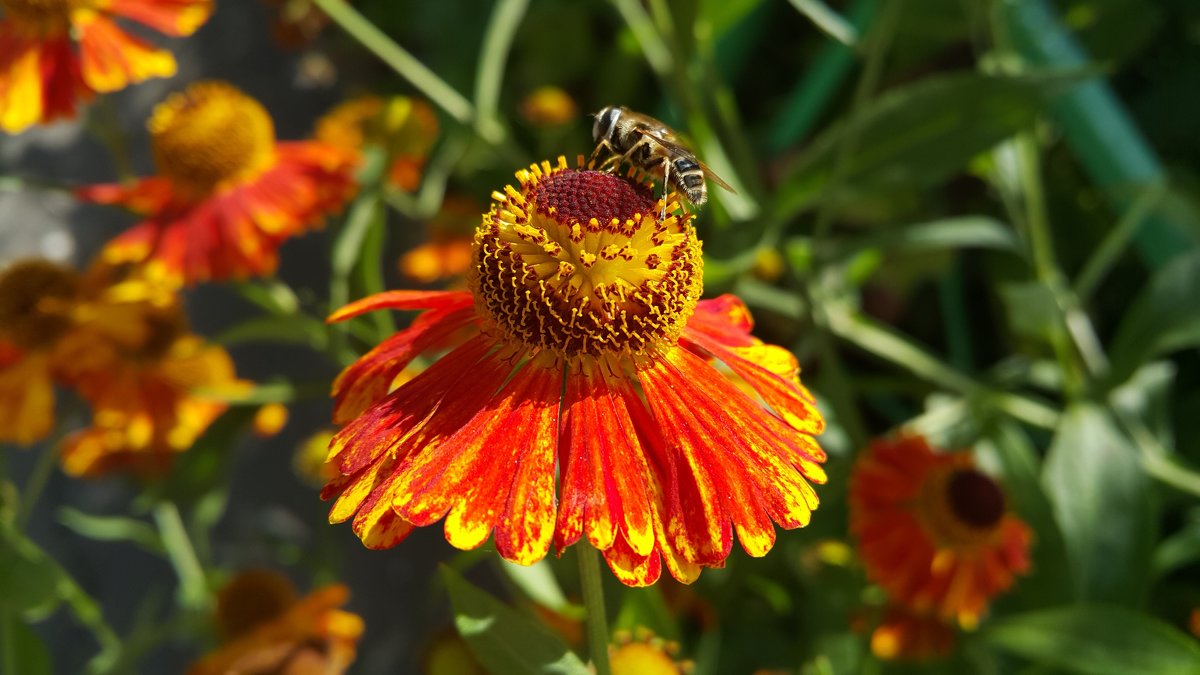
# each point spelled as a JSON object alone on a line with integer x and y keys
{"x": 36, "y": 483}
{"x": 193, "y": 588}
{"x": 411, "y": 69}
{"x": 593, "y": 600}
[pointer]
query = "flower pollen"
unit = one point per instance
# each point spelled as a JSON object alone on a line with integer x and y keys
{"x": 578, "y": 263}
{"x": 211, "y": 135}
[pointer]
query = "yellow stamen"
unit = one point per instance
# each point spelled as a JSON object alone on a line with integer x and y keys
{"x": 578, "y": 263}
{"x": 211, "y": 136}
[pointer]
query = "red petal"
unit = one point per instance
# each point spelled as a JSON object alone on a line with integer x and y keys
{"x": 402, "y": 300}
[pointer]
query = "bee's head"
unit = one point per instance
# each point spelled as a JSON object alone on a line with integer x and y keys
{"x": 605, "y": 120}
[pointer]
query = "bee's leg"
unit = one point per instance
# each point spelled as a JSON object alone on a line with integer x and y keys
{"x": 604, "y": 147}
{"x": 666, "y": 181}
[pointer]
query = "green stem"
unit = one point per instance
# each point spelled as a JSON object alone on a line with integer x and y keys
{"x": 497, "y": 41}
{"x": 887, "y": 345}
{"x": 657, "y": 53}
{"x": 877, "y": 47}
{"x": 193, "y": 587}
{"x": 593, "y": 601}
{"x": 1114, "y": 243}
{"x": 36, "y": 483}
{"x": 411, "y": 69}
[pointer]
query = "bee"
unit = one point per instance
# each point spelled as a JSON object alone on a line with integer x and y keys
{"x": 650, "y": 145}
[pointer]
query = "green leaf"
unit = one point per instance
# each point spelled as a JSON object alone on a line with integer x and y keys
{"x": 538, "y": 582}
{"x": 645, "y": 608}
{"x": 274, "y": 296}
{"x": 918, "y": 135}
{"x": 285, "y": 328}
{"x": 940, "y": 235}
{"x": 1095, "y": 482}
{"x": 112, "y": 528}
{"x": 29, "y": 579}
{"x": 505, "y": 640}
{"x": 1164, "y": 317}
{"x": 29, "y": 653}
{"x": 1097, "y": 640}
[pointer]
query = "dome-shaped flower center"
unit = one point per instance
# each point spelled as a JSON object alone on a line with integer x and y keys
{"x": 209, "y": 136}
{"x": 578, "y": 263}
{"x": 36, "y": 297}
{"x": 960, "y": 506}
{"x": 42, "y": 15}
{"x": 251, "y": 599}
{"x": 645, "y": 654}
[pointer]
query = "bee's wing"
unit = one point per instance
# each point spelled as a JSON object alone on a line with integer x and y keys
{"x": 676, "y": 146}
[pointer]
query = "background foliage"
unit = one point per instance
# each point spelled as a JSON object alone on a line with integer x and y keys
{"x": 971, "y": 218}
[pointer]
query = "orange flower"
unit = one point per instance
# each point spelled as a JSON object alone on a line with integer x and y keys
{"x": 227, "y": 195}
{"x": 267, "y": 630}
{"x": 582, "y": 301}
{"x": 549, "y": 106}
{"x": 36, "y": 297}
{"x": 448, "y": 251}
{"x": 905, "y": 636}
{"x": 404, "y": 127}
{"x": 54, "y": 53}
{"x": 644, "y": 653}
{"x": 934, "y": 531}
{"x": 131, "y": 356}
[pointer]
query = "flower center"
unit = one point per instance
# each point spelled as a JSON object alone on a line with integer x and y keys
{"x": 251, "y": 599}
{"x": 578, "y": 263}
{"x": 42, "y": 15}
{"x": 36, "y": 297}
{"x": 209, "y": 136}
{"x": 960, "y": 506}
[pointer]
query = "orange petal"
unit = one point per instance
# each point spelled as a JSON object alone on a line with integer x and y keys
{"x": 370, "y": 377}
{"x": 113, "y": 59}
{"x": 495, "y": 472}
{"x": 20, "y": 80}
{"x": 176, "y": 18}
{"x": 605, "y": 476}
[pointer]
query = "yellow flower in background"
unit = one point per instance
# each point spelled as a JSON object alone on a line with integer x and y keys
{"x": 644, "y": 653}
{"x": 57, "y": 53}
{"x": 447, "y": 254}
{"x": 934, "y": 531}
{"x": 37, "y": 298}
{"x": 404, "y": 127}
{"x": 583, "y": 305}
{"x": 549, "y": 106}
{"x": 227, "y": 194}
{"x": 269, "y": 420}
{"x": 266, "y": 629}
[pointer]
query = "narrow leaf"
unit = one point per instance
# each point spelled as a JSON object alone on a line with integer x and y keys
{"x": 1163, "y": 318}
{"x": 503, "y": 639}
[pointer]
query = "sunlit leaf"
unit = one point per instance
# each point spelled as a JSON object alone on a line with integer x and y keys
{"x": 1093, "y": 478}
{"x": 1097, "y": 641}
{"x": 538, "y": 582}
{"x": 505, "y": 640}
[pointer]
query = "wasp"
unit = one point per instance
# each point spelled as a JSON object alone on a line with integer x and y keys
{"x": 650, "y": 145}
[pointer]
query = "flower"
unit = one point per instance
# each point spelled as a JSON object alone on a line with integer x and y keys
{"x": 36, "y": 297}
{"x": 549, "y": 106}
{"x": 447, "y": 254}
{"x": 266, "y": 629}
{"x": 404, "y": 127}
{"x": 296, "y": 22}
{"x": 644, "y": 653}
{"x": 269, "y": 420}
{"x": 133, "y": 359}
{"x": 934, "y": 531}
{"x": 581, "y": 301}
{"x": 227, "y": 195}
{"x": 54, "y": 53}
{"x": 906, "y": 636}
